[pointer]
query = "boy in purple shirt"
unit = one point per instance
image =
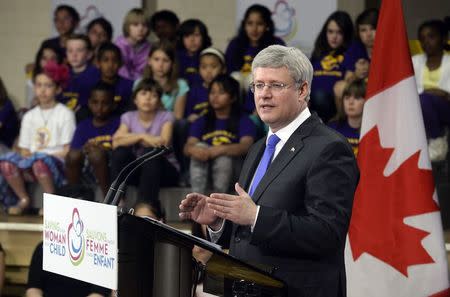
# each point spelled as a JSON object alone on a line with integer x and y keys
{"x": 83, "y": 75}
{"x": 93, "y": 138}
{"x": 109, "y": 60}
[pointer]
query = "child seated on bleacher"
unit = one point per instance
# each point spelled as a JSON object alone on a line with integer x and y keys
{"x": 193, "y": 37}
{"x": 162, "y": 67}
{"x": 133, "y": 44}
{"x": 45, "y": 135}
{"x": 109, "y": 60}
{"x": 99, "y": 31}
{"x": 141, "y": 130}
{"x": 349, "y": 119}
{"x": 83, "y": 75}
{"x": 220, "y": 138}
{"x": 211, "y": 64}
{"x": 66, "y": 20}
{"x": 92, "y": 140}
{"x": 47, "y": 52}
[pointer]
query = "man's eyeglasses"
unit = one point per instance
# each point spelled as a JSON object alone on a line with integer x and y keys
{"x": 274, "y": 86}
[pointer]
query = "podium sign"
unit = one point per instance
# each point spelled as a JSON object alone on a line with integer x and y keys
{"x": 80, "y": 240}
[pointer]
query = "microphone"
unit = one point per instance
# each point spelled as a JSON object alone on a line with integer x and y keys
{"x": 113, "y": 188}
{"x": 120, "y": 191}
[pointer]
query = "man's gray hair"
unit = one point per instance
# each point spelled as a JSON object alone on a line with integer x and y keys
{"x": 278, "y": 56}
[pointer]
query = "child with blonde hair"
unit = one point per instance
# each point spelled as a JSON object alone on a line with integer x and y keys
{"x": 134, "y": 44}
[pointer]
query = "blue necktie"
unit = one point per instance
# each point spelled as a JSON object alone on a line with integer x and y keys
{"x": 265, "y": 162}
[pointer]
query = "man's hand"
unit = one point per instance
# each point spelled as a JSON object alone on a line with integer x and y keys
{"x": 239, "y": 209}
{"x": 194, "y": 207}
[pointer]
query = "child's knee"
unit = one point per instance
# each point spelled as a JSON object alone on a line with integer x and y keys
{"x": 40, "y": 169}
{"x": 96, "y": 156}
{"x": 8, "y": 169}
{"x": 74, "y": 157}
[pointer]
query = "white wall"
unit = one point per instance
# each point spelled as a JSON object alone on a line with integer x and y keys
{"x": 23, "y": 25}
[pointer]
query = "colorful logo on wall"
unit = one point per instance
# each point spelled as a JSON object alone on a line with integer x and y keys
{"x": 286, "y": 25}
{"x": 75, "y": 236}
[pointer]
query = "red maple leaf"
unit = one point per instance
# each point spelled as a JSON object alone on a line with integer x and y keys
{"x": 382, "y": 203}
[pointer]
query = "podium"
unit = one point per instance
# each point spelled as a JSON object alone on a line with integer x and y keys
{"x": 139, "y": 257}
{"x": 156, "y": 260}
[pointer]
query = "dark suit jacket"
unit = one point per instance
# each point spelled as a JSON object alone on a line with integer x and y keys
{"x": 305, "y": 203}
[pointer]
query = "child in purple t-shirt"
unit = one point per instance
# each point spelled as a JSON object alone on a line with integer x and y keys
{"x": 212, "y": 63}
{"x": 251, "y": 39}
{"x": 348, "y": 122}
{"x": 193, "y": 37}
{"x": 83, "y": 75}
{"x": 141, "y": 130}
{"x": 218, "y": 138}
{"x": 357, "y": 58}
{"x": 326, "y": 59}
{"x": 109, "y": 59}
{"x": 134, "y": 44}
{"x": 92, "y": 140}
{"x": 66, "y": 20}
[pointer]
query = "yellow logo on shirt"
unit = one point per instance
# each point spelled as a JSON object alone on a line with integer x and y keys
{"x": 330, "y": 62}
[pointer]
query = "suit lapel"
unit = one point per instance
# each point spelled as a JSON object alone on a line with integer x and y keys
{"x": 291, "y": 148}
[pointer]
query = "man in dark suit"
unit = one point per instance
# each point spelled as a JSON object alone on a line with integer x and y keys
{"x": 295, "y": 192}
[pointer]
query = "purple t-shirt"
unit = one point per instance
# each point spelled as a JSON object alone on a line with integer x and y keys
{"x": 356, "y": 51}
{"x": 244, "y": 65}
{"x": 197, "y": 100}
{"x": 188, "y": 66}
{"x": 123, "y": 89}
{"x": 350, "y": 133}
{"x": 327, "y": 71}
{"x": 9, "y": 124}
{"x": 134, "y": 58}
{"x": 131, "y": 120}
{"x": 221, "y": 135}
{"x": 86, "y": 131}
{"x": 79, "y": 87}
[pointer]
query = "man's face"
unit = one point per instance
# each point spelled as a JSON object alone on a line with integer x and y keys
{"x": 278, "y": 108}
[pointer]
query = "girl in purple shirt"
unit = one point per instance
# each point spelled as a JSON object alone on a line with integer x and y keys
{"x": 134, "y": 44}
{"x": 141, "y": 130}
{"x": 348, "y": 122}
{"x": 193, "y": 37}
{"x": 327, "y": 58}
{"x": 220, "y": 138}
{"x": 255, "y": 33}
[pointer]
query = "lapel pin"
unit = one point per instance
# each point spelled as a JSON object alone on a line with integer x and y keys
{"x": 292, "y": 149}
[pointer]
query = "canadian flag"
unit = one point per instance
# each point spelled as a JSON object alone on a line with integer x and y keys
{"x": 395, "y": 243}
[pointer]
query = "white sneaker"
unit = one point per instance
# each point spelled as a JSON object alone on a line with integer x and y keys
{"x": 438, "y": 148}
